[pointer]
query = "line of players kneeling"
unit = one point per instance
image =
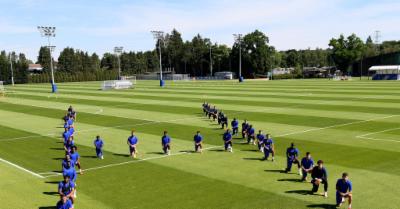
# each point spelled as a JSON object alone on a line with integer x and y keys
{"x": 266, "y": 145}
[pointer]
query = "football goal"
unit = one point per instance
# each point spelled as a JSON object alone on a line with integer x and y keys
{"x": 125, "y": 82}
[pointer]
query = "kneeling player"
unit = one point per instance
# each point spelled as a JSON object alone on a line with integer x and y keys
{"x": 64, "y": 203}
{"x": 344, "y": 190}
{"x": 224, "y": 122}
{"x": 227, "y": 137}
{"x": 319, "y": 176}
{"x": 260, "y": 140}
{"x": 198, "y": 139}
{"x": 165, "y": 143}
{"x": 292, "y": 154}
{"x": 269, "y": 147}
{"x": 75, "y": 158}
{"x": 307, "y": 164}
{"x": 251, "y": 135}
{"x": 66, "y": 188}
{"x": 235, "y": 126}
{"x": 132, "y": 142}
{"x": 245, "y": 126}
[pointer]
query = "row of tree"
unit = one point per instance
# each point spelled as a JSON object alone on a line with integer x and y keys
{"x": 201, "y": 57}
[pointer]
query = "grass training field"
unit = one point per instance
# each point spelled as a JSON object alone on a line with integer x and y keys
{"x": 353, "y": 126}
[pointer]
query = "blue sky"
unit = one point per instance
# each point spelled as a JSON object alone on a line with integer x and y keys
{"x": 98, "y": 26}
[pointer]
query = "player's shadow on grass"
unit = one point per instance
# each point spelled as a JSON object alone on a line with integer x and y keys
{"x": 216, "y": 150}
{"x": 302, "y": 192}
{"x": 51, "y": 193}
{"x": 56, "y": 148}
{"x": 156, "y": 153}
{"x": 58, "y": 158}
{"x": 47, "y": 207}
{"x": 275, "y": 171}
{"x": 324, "y": 206}
{"x": 88, "y": 156}
{"x": 252, "y": 158}
{"x": 250, "y": 150}
{"x": 291, "y": 180}
{"x": 121, "y": 155}
{"x": 52, "y": 182}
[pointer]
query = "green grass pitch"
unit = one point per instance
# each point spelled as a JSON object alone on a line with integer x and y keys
{"x": 353, "y": 126}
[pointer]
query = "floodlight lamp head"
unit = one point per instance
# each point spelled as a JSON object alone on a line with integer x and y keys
{"x": 118, "y": 49}
{"x": 47, "y": 31}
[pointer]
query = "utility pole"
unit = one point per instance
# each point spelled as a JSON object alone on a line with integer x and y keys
{"x": 49, "y": 32}
{"x": 211, "y": 61}
{"x": 238, "y": 40}
{"x": 159, "y": 37}
{"x": 11, "y": 68}
{"x": 118, "y": 52}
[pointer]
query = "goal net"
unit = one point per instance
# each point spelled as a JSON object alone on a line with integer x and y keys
{"x": 129, "y": 78}
{"x": 180, "y": 77}
{"x": 117, "y": 84}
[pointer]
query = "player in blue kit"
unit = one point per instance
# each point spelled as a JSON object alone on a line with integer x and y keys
{"x": 66, "y": 188}
{"x": 66, "y": 163}
{"x": 269, "y": 147}
{"x": 319, "y": 176}
{"x": 307, "y": 164}
{"x": 66, "y": 135}
{"x": 68, "y": 145}
{"x": 166, "y": 143}
{"x": 251, "y": 135}
{"x": 70, "y": 172}
{"x": 227, "y": 137}
{"x": 75, "y": 158}
{"x": 198, "y": 140}
{"x": 260, "y": 140}
{"x": 98, "y": 144}
{"x": 344, "y": 190}
{"x": 64, "y": 203}
{"x": 235, "y": 126}
{"x": 245, "y": 126}
{"x": 132, "y": 142}
{"x": 70, "y": 120}
{"x": 292, "y": 154}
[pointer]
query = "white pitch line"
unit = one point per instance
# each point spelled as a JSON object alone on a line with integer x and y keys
{"x": 372, "y": 133}
{"x": 376, "y": 139}
{"x": 21, "y": 168}
{"x": 132, "y": 161}
{"x": 334, "y": 126}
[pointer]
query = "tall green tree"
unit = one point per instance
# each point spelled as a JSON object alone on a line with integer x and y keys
{"x": 345, "y": 51}
{"x": 44, "y": 58}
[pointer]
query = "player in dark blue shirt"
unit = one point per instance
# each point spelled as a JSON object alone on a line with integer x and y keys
{"x": 251, "y": 135}
{"x": 64, "y": 203}
{"x": 307, "y": 164}
{"x": 198, "y": 140}
{"x": 68, "y": 145}
{"x": 245, "y": 126}
{"x": 98, "y": 144}
{"x": 66, "y": 135}
{"x": 70, "y": 172}
{"x": 66, "y": 188}
{"x": 224, "y": 121}
{"x": 319, "y": 176}
{"x": 235, "y": 126}
{"x": 132, "y": 142}
{"x": 227, "y": 137}
{"x": 269, "y": 147}
{"x": 75, "y": 158}
{"x": 292, "y": 154}
{"x": 344, "y": 190}
{"x": 67, "y": 163}
{"x": 260, "y": 140}
{"x": 166, "y": 143}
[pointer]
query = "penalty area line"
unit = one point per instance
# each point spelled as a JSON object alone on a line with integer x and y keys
{"x": 21, "y": 168}
{"x": 131, "y": 161}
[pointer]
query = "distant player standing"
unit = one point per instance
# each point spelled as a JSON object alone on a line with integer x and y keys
{"x": 235, "y": 126}
{"x": 292, "y": 154}
{"x": 166, "y": 143}
{"x": 344, "y": 190}
{"x": 198, "y": 140}
{"x": 307, "y": 164}
{"x": 227, "y": 137}
{"x": 98, "y": 144}
{"x": 132, "y": 142}
{"x": 319, "y": 176}
{"x": 269, "y": 147}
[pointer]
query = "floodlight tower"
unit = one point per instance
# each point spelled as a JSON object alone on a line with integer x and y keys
{"x": 238, "y": 40}
{"x": 49, "y": 32}
{"x": 11, "y": 69}
{"x": 159, "y": 37}
{"x": 211, "y": 61}
{"x": 118, "y": 52}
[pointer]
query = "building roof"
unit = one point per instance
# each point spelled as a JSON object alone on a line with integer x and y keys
{"x": 35, "y": 67}
{"x": 384, "y": 67}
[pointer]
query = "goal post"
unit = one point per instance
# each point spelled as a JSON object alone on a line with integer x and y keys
{"x": 129, "y": 78}
{"x": 2, "y": 90}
